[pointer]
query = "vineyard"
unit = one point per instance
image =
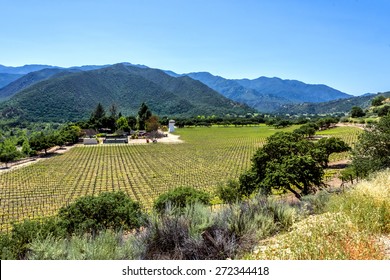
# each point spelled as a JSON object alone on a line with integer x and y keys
{"x": 208, "y": 156}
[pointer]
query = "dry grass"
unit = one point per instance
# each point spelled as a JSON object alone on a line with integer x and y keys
{"x": 322, "y": 237}
{"x": 349, "y": 230}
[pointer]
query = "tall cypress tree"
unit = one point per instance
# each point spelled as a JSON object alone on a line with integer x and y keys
{"x": 143, "y": 114}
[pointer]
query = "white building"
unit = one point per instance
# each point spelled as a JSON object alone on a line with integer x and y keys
{"x": 171, "y": 127}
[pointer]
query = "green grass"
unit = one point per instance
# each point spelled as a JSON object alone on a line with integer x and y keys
{"x": 208, "y": 157}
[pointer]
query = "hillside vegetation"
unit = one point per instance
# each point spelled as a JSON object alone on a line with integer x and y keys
{"x": 329, "y": 107}
{"x": 72, "y": 96}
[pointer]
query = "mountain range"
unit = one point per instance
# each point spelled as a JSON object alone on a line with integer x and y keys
{"x": 71, "y": 94}
{"x": 268, "y": 94}
{"x": 43, "y": 92}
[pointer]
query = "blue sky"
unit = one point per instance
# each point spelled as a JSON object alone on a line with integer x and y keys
{"x": 344, "y": 44}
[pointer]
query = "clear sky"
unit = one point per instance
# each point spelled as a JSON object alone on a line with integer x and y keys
{"x": 343, "y": 43}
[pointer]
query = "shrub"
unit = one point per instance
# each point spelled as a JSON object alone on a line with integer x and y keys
{"x": 259, "y": 216}
{"x": 179, "y": 198}
{"x": 107, "y": 245}
{"x": 316, "y": 204}
{"x": 230, "y": 192}
{"x": 16, "y": 244}
{"x": 113, "y": 210}
{"x": 189, "y": 234}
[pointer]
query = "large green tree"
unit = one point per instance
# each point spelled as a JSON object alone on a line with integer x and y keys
{"x": 372, "y": 151}
{"x": 357, "y": 112}
{"x": 288, "y": 162}
{"x": 42, "y": 141}
{"x": 99, "y": 112}
{"x": 122, "y": 124}
{"x": 8, "y": 152}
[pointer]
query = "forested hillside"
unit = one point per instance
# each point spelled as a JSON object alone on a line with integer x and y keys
{"x": 74, "y": 95}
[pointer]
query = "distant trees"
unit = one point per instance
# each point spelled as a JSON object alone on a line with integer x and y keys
{"x": 99, "y": 113}
{"x": 382, "y": 111}
{"x": 377, "y": 101}
{"x": 42, "y": 141}
{"x": 45, "y": 140}
{"x": 152, "y": 124}
{"x": 307, "y": 130}
{"x": 143, "y": 114}
{"x": 70, "y": 134}
{"x": 123, "y": 124}
{"x": 357, "y": 112}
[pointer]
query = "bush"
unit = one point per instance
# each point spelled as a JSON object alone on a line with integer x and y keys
{"x": 106, "y": 211}
{"x": 179, "y": 198}
{"x": 230, "y": 192}
{"x": 16, "y": 244}
{"x": 316, "y": 204}
{"x": 107, "y": 245}
{"x": 258, "y": 218}
{"x": 190, "y": 234}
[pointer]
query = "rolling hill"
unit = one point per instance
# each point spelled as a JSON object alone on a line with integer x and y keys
{"x": 73, "y": 96}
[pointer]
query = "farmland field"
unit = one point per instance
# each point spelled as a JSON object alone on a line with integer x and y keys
{"x": 207, "y": 157}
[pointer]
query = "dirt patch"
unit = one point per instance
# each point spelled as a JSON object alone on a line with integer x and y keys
{"x": 170, "y": 139}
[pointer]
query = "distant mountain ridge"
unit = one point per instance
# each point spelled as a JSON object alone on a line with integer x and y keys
{"x": 330, "y": 107}
{"x": 71, "y": 96}
{"x": 24, "y": 69}
{"x": 7, "y": 78}
{"x": 268, "y": 94}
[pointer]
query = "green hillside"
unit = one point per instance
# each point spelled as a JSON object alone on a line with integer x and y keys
{"x": 334, "y": 106}
{"x": 74, "y": 96}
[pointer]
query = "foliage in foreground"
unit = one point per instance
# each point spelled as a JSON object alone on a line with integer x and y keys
{"x": 329, "y": 236}
{"x": 16, "y": 244}
{"x": 199, "y": 233}
{"x": 368, "y": 205}
{"x": 348, "y": 230}
{"x": 181, "y": 197}
{"x": 194, "y": 232}
{"x": 87, "y": 215}
{"x": 107, "y": 245}
{"x": 106, "y": 211}
{"x": 372, "y": 151}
